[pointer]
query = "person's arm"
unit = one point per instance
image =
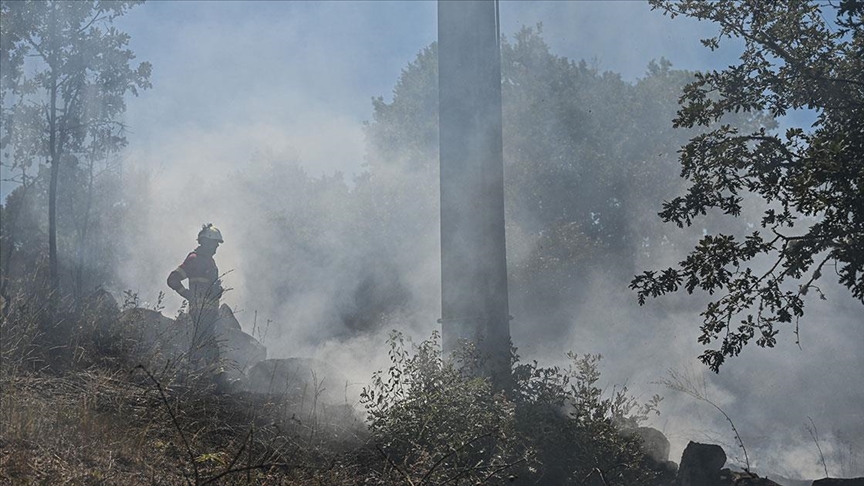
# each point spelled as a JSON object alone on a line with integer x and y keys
{"x": 175, "y": 281}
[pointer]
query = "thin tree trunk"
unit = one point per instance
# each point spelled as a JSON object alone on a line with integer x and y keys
{"x": 52, "y": 223}
{"x": 55, "y": 169}
{"x": 82, "y": 238}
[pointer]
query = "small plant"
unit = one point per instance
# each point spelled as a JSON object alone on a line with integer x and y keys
{"x": 130, "y": 300}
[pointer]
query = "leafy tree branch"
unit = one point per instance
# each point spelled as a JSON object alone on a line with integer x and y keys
{"x": 810, "y": 181}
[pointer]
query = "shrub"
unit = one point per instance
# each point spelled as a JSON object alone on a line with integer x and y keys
{"x": 435, "y": 420}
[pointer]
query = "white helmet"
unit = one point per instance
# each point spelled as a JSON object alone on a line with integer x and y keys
{"x": 210, "y": 232}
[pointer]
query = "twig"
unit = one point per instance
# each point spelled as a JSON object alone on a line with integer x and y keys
{"x": 403, "y": 473}
{"x": 249, "y": 454}
{"x": 599, "y": 473}
{"x": 814, "y": 433}
{"x": 735, "y": 430}
{"x": 454, "y": 451}
{"x": 502, "y": 468}
{"x": 176, "y": 423}
{"x": 685, "y": 385}
{"x": 239, "y": 453}
{"x": 802, "y": 290}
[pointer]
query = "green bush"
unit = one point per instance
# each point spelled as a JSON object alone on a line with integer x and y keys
{"x": 435, "y": 421}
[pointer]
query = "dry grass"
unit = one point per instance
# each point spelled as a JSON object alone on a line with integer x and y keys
{"x": 101, "y": 426}
{"x": 90, "y": 427}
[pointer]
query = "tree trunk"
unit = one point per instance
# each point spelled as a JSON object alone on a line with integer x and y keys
{"x": 54, "y": 153}
{"x": 84, "y": 226}
{"x": 474, "y": 302}
{"x": 52, "y": 225}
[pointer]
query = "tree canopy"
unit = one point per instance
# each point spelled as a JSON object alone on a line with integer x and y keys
{"x": 807, "y": 183}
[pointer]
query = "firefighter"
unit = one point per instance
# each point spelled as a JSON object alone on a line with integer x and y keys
{"x": 203, "y": 294}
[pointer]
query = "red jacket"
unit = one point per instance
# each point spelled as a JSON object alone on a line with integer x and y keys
{"x": 203, "y": 275}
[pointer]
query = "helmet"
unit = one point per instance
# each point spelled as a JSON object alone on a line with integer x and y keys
{"x": 210, "y": 232}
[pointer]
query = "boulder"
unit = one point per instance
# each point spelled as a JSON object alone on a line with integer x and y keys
{"x": 101, "y": 304}
{"x": 241, "y": 350}
{"x": 309, "y": 394}
{"x": 154, "y": 335}
{"x": 159, "y": 338}
{"x": 654, "y": 444}
{"x": 304, "y": 382}
{"x": 839, "y": 482}
{"x": 227, "y": 321}
{"x": 700, "y": 465}
{"x": 744, "y": 478}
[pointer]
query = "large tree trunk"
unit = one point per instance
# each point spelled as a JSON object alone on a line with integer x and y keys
{"x": 474, "y": 303}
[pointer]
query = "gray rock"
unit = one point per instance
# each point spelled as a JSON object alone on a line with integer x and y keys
{"x": 700, "y": 465}
{"x": 744, "y": 478}
{"x": 159, "y": 339}
{"x": 309, "y": 394}
{"x": 654, "y": 444}
{"x": 153, "y": 334}
{"x": 241, "y": 350}
{"x": 298, "y": 377}
{"x": 839, "y": 482}
{"x": 102, "y": 304}
{"x": 227, "y": 321}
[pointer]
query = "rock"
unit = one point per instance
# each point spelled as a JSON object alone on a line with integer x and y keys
{"x": 700, "y": 465}
{"x": 101, "y": 303}
{"x": 227, "y": 321}
{"x": 241, "y": 350}
{"x": 158, "y": 338}
{"x": 839, "y": 482}
{"x": 654, "y": 444}
{"x": 309, "y": 394}
{"x": 154, "y": 335}
{"x": 743, "y": 478}
{"x": 301, "y": 381}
